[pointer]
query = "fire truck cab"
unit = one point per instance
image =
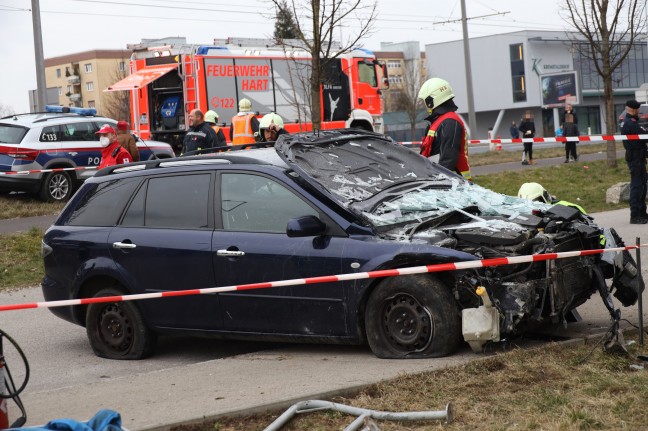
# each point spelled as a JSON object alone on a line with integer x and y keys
{"x": 168, "y": 81}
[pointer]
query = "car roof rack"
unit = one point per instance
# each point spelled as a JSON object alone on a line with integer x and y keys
{"x": 220, "y": 158}
{"x": 228, "y": 148}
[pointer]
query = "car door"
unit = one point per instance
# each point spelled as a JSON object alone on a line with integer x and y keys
{"x": 163, "y": 244}
{"x": 252, "y": 247}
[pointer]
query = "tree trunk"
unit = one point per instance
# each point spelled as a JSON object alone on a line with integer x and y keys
{"x": 608, "y": 93}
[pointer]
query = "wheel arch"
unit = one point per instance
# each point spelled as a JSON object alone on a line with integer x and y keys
{"x": 89, "y": 289}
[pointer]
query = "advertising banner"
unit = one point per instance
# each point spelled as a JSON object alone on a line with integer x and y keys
{"x": 560, "y": 88}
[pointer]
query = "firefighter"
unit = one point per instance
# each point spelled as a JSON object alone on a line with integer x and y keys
{"x": 127, "y": 141}
{"x": 244, "y": 125}
{"x": 111, "y": 152}
{"x": 271, "y": 127}
{"x": 200, "y": 134}
{"x": 535, "y": 192}
{"x": 211, "y": 118}
{"x": 446, "y": 140}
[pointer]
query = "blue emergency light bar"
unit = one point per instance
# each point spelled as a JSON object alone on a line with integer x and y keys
{"x": 70, "y": 109}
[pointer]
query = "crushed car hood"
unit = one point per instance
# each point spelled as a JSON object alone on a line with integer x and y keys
{"x": 388, "y": 184}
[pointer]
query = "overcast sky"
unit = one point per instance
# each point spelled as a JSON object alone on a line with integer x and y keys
{"x": 71, "y": 26}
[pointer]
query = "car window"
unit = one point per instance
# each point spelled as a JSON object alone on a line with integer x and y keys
{"x": 84, "y": 131}
{"x": 50, "y": 134}
{"x": 11, "y": 134}
{"x": 171, "y": 202}
{"x": 103, "y": 203}
{"x": 255, "y": 203}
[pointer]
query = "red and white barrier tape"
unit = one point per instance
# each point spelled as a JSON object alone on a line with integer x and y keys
{"x": 586, "y": 138}
{"x": 36, "y": 171}
{"x": 323, "y": 279}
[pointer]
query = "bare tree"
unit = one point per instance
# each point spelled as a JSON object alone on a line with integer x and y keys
{"x": 414, "y": 75}
{"x": 607, "y": 31}
{"x": 116, "y": 104}
{"x": 6, "y": 110}
{"x": 317, "y": 22}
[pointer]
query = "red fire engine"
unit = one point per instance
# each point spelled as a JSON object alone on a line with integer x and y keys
{"x": 167, "y": 82}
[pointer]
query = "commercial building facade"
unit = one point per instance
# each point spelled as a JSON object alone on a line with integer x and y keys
{"x": 508, "y": 71}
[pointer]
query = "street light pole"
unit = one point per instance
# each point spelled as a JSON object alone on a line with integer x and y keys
{"x": 472, "y": 120}
{"x": 41, "y": 91}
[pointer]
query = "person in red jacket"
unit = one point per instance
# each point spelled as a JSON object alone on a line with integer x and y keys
{"x": 446, "y": 140}
{"x": 111, "y": 152}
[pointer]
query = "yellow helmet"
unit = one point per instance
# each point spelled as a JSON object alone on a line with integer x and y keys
{"x": 534, "y": 192}
{"x": 269, "y": 119}
{"x": 434, "y": 92}
{"x": 245, "y": 105}
{"x": 211, "y": 116}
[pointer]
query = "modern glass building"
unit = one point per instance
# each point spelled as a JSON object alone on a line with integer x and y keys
{"x": 536, "y": 71}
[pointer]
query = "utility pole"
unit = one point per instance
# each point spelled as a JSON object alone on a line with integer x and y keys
{"x": 472, "y": 119}
{"x": 41, "y": 90}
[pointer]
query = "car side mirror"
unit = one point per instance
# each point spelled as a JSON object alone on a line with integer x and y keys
{"x": 308, "y": 225}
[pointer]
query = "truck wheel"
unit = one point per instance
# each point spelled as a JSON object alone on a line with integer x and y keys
{"x": 56, "y": 187}
{"x": 116, "y": 330}
{"x": 412, "y": 317}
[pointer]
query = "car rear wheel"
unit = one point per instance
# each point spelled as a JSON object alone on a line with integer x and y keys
{"x": 412, "y": 317}
{"x": 116, "y": 330}
{"x": 56, "y": 187}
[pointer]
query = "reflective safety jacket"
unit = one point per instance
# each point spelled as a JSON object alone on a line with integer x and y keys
{"x": 447, "y": 137}
{"x": 242, "y": 132}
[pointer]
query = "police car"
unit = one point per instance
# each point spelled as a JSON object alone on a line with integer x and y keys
{"x": 60, "y": 137}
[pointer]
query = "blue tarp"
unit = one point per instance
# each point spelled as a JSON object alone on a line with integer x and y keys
{"x": 104, "y": 420}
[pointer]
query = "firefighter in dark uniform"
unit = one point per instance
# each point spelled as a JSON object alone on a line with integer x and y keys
{"x": 446, "y": 137}
{"x": 636, "y": 159}
{"x": 200, "y": 134}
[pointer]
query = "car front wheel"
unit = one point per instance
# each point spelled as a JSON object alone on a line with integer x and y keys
{"x": 116, "y": 330}
{"x": 56, "y": 187}
{"x": 412, "y": 317}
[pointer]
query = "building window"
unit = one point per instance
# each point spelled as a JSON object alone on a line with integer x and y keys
{"x": 89, "y": 86}
{"x": 393, "y": 63}
{"x": 518, "y": 79}
{"x": 88, "y": 67}
{"x": 69, "y": 89}
{"x": 632, "y": 72}
{"x": 122, "y": 66}
{"x": 91, "y": 104}
{"x": 58, "y": 73}
{"x": 60, "y": 91}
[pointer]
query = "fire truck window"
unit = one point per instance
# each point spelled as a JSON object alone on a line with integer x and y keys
{"x": 367, "y": 74}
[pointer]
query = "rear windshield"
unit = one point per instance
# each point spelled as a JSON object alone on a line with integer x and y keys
{"x": 11, "y": 134}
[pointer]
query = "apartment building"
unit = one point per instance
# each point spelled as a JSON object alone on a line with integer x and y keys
{"x": 80, "y": 78}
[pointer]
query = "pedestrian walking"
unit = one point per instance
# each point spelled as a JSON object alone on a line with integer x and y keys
{"x": 515, "y": 133}
{"x": 569, "y": 126}
{"x": 527, "y": 128}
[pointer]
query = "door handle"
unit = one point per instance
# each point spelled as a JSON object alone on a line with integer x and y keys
{"x": 230, "y": 253}
{"x": 123, "y": 245}
{"x": 73, "y": 153}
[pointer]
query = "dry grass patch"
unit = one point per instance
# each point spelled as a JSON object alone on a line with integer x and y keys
{"x": 26, "y": 205}
{"x": 548, "y": 388}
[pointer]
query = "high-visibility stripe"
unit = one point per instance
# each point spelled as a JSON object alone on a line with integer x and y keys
{"x": 325, "y": 279}
{"x": 37, "y": 171}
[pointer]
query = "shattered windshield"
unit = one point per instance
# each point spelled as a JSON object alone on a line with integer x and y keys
{"x": 422, "y": 202}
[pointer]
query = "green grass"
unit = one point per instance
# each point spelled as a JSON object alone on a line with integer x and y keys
{"x": 493, "y": 157}
{"x": 582, "y": 183}
{"x": 20, "y": 260}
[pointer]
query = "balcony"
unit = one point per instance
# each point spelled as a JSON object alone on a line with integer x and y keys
{"x": 75, "y": 97}
{"x": 74, "y": 79}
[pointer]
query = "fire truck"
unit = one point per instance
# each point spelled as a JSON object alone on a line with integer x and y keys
{"x": 168, "y": 81}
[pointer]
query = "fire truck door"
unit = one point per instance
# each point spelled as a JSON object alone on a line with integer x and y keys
{"x": 366, "y": 86}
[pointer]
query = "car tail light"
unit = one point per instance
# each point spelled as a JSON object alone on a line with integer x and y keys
{"x": 25, "y": 154}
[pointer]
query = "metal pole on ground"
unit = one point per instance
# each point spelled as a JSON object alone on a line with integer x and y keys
{"x": 641, "y": 289}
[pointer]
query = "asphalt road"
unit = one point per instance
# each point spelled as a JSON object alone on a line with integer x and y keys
{"x": 189, "y": 379}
